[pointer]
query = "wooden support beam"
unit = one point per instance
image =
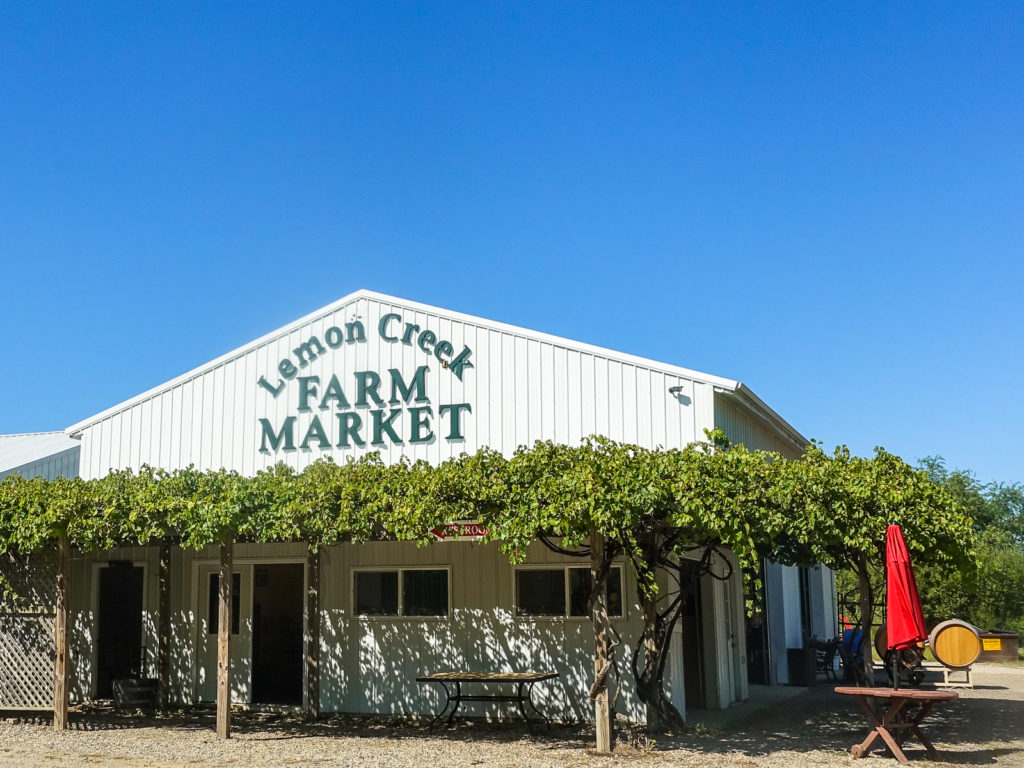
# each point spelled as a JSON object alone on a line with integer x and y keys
{"x": 60, "y": 638}
{"x": 224, "y": 583}
{"x": 313, "y": 634}
{"x": 599, "y": 618}
{"x": 163, "y": 671}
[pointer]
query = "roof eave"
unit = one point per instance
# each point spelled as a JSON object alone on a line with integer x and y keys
{"x": 747, "y": 397}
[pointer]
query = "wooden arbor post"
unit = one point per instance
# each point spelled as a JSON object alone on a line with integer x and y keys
{"x": 60, "y": 638}
{"x": 163, "y": 672}
{"x": 224, "y": 584}
{"x": 313, "y": 634}
{"x": 599, "y": 617}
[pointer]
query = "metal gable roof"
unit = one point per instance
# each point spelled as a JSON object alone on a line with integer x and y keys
{"x": 28, "y": 448}
{"x": 720, "y": 384}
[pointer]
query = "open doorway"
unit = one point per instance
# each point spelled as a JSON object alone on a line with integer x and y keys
{"x": 119, "y": 625}
{"x": 690, "y": 624}
{"x": 758, "y": 646}
{"x": 277, "y": 633}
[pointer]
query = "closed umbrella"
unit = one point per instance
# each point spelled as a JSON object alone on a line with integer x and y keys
{"x": 905, "y": 621}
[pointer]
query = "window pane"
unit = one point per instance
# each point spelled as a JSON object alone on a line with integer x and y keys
{"x": 615, "y": 592}
{"x": 540, "y": 592}
{"x": 236, "y": 602}
{"x": 579, "y": 591}
{"x": 425, "y": 593}
{"x": 377, "y": 593}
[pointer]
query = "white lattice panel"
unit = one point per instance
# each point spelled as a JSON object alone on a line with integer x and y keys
{"x": 26, "y": 632}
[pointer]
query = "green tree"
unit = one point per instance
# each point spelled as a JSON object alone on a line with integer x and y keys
{"x": 991, "y": 593}
{"x": 844, "y": 506}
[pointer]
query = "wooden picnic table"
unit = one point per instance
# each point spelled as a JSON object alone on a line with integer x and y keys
{"x": 523, "y": 681}
{"x": 898, "y": 721}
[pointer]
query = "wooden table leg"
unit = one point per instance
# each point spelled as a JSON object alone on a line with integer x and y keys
{"x": 880, "y": 728}
{"x": 892, "y": 715}
{"x": 861, "y": 750}
{"x": 915, "y": 726}
{"x": 890, "y": 742}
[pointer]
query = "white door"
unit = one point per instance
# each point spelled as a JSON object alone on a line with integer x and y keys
{"x": 241, "y": 635}
{"x": 677, "y": 680}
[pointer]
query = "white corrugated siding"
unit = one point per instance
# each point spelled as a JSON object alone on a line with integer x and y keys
{"x": 741, "y": 426}
{"x": 521, "y": 389}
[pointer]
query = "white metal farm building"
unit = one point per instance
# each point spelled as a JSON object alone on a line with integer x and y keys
{"x": 376, "y": 373}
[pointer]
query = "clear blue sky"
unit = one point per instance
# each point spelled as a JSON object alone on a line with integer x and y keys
{"x": 823, "y": 200}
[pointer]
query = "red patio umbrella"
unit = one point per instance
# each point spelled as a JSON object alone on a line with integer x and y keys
{"x": 905, "y": 621}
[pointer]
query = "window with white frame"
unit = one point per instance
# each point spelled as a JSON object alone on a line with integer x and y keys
{"x": 563, "y": 591}
{"x": 400, "y": 592}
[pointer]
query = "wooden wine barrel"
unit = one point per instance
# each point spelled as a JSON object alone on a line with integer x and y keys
{"x": 955, "y": 643}
{"x": 881, "y": 641}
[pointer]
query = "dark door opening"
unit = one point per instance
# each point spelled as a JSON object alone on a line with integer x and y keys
{"x": 758, "y": 647}
{"x": 119, "y": 630}
{"x": 691, "y": 623}
{"x": 277, "y": 633}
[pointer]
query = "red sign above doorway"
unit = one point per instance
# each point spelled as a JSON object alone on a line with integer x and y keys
{"x": 461, "y": 530}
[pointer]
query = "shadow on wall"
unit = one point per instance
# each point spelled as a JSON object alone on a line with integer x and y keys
{"x": 370, "y": 665}
{"x": 205, "y": 661}
{"x": 81, "y": 639}
{"x": 183, "y": 657}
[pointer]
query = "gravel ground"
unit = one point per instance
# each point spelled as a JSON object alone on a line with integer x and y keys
{"x": 812, "y": 728}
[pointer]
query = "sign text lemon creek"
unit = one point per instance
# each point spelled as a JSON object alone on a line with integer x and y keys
{"x": 365, "y": 407}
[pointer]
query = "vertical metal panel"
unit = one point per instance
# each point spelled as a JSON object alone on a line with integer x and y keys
{"x": 741, "y": 427}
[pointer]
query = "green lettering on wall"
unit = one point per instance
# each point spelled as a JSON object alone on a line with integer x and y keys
{"x": 382, "y": 327}
{"x": 398, "y": 386}
{"x": 349, "y": 424}
{"x": 275, "y": 391}
{"x": 410, "y": 331}
{"x": 443, "y": 351}
{"x": 455, "y": 418}
{"x": 382, "y": 425}
{"x": 460, "y": 362}
{"x": 307, "y": 389}
{"x": 426, "y": 339}
{"x": 315, "y": 432}
{"x": 287, "y": 369}
{"x": 305, "y": 349}
{"x": 334, "y": 337}
{"x": 367, "y": 383}
{"x": 420, "y": 418}
{"x": 333, "y": 392}
{"x": 286, "y": 435}
{"x": 356, "y": 332}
